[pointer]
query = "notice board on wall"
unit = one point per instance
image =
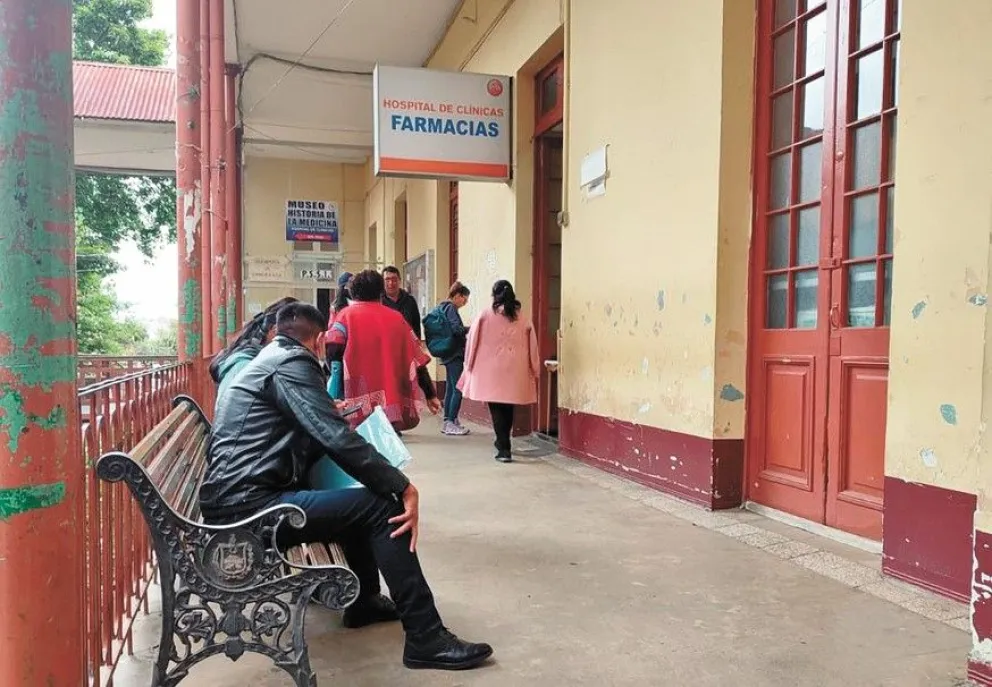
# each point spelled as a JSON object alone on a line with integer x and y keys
{"x": 418, "y": 275}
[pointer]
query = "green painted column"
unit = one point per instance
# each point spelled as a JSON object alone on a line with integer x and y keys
{"x": 41, "y": 469}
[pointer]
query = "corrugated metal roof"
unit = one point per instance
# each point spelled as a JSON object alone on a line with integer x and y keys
{"x": 124, "y": 92}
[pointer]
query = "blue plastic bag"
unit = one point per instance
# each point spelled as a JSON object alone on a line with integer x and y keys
{"x": 378, "y": 431}
{"x": 335, "y": 383}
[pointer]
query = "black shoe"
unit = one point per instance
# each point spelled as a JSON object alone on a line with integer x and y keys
{"x": 377, "y": 609}
{"x": 504, "y": 457}
{"x": 442, "y": 650}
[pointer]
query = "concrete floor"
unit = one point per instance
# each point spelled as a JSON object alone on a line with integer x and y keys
{"x": 578, "y": 578}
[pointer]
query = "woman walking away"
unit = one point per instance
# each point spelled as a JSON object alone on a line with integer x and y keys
{"x": 446, "y": 335}
{"x": 229, "y": 362}
{"x": 501, "y": 363}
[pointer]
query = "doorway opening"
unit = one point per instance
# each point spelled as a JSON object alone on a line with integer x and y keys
{"x": 548, "y": 175}
{"x": 324, "y": 300}
{"x": 372, "y": 247}
{"x": 452, "y": 231}
{"x": 401, "y": 242}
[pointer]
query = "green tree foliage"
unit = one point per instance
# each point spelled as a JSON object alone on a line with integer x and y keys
{"x": 165, "y": 341}
{"x": 108, "y": 31}
{"x": 112, "y": 209}
{"x": 98, "y": 325}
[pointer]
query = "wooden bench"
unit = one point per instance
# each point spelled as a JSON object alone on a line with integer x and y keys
{"x": 225, "y": 589}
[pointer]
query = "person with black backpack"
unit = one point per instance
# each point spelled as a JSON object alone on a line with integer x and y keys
{"x": 446, "y": 335}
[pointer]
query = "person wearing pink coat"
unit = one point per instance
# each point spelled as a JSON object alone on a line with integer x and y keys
{"x": 501, "y": 363}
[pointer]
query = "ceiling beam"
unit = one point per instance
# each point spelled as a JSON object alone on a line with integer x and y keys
{"x": 275, "y": 134}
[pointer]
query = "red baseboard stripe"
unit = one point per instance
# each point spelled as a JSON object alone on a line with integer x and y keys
{"x": 927, "y": 537}
{"x": 706, "y": 471}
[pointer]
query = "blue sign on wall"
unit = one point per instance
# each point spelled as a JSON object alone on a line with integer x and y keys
{"x": 312, "y": 220}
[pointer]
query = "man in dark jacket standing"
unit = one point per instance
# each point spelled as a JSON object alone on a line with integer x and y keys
{"x": 271, "y": 425}
{"x": 400, "y": 300}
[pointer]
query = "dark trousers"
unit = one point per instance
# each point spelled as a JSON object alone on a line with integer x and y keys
{"x": 452, "y": 396}
{"x": 358, "y": 519}
{"x": 502, "y": 415}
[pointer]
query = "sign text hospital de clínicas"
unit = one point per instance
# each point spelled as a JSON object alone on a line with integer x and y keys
{"x": 437, "y": 124}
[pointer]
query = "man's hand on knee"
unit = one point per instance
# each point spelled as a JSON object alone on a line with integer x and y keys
{"x": 409, "y": 519}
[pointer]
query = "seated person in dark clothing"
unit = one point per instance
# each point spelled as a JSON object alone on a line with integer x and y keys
{"x": 400, "y": 300}
{"x": 270, "y": 426}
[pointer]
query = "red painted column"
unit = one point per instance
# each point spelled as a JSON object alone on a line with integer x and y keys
{"x": 189, "y": 222}
{"x": 234, "y": 259}
{"x": 206, "y": 256}
{"x": 41, "y": 469}
{"x": 218, "y": 177}
{"x": 239, "y": 236}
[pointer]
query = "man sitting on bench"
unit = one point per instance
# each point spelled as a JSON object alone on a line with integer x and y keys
{"x": 269, "y": 428}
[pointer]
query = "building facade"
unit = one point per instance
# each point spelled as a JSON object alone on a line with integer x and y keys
{"x": 740, "y": 312}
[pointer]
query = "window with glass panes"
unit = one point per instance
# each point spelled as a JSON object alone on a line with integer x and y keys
{"x": 831, "y": 93}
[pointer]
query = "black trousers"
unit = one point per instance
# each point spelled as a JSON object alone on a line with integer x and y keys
{"x": 358, "y": 519}
{"x": 502, "y": 415}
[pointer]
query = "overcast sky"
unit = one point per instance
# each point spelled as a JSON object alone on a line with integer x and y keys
{"x": 151, "y": 287}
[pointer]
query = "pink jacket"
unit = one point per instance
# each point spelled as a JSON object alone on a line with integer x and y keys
{"x": 501, "y": 360}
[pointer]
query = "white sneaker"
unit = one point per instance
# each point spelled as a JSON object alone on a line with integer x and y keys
{"x": 457, "y": 429}
{"x": 447, "y": 428}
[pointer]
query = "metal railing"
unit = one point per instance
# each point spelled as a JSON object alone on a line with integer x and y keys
{"x": 92, "y": 369}
{"x": 114, "y": 415}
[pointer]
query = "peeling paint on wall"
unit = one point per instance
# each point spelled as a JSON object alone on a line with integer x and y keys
{"x": 707, "y": 319}
{"x": 191, "y": 317}
{"x": 192, "y": 215}
{"x": 919, "y": 308}
{"x": 661, "y": 300}
{"x": 928, "y": 457}
{"x": 979, "y": 299}
{"x": 15, "y": 422}
{"x": 731, "y": 393}
{"x": 17, "y": 500}
{"x": 949, "y": 413}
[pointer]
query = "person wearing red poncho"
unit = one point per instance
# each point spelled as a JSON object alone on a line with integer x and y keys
{"x": 383, "y": 362}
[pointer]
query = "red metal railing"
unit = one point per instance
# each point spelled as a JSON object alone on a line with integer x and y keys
{"x": 93, "y": 369}
{"x": 114, "y": 415}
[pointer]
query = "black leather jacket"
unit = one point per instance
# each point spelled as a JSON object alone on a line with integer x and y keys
{"x": 271, "y": 425}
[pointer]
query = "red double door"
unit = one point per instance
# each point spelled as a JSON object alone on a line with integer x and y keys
{"x": 821, "y": 281}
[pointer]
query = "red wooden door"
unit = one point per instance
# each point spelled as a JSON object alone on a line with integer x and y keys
{"x": 816, "y": 417}
{"x": 861, "y": 281}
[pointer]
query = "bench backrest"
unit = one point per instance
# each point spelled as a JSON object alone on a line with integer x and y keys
{"x": 174, "y": 454}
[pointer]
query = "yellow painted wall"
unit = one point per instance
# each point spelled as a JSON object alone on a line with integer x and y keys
{"x": 645, "y": 312}
{"x": 496, "y": 221}
{"x": 940, "y": 387}
{"x": 494, "y": 36}
{"x": 268, "y": 184}
{"x": 496, "y": 224}
{"x": 654, "y": 331}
